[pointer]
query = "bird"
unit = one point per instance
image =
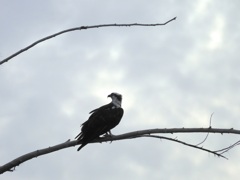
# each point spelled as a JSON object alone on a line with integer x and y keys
{"x": 101, "y": 121}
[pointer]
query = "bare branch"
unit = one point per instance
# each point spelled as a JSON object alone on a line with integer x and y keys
{"x": 186, "y": 144}
{"x": 11, "y": 165}
{"x": 136, "y": 134}
{"x": 77, "y": 29}
{"x": 224, "y": 150}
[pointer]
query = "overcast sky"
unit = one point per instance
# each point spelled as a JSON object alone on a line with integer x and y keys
{"x": 170, "y": 76}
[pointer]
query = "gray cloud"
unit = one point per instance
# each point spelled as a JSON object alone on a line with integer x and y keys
{"x": 170, "y": 76}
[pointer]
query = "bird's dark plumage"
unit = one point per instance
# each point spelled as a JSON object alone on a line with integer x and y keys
{"x": 101, "y": 121}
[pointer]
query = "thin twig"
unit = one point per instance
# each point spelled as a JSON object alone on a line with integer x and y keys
{"x": 224, "y": 150}
{"x": 207, "y": 133}
{"x": 186, "y": 144}
{"x": 77, "y": 29}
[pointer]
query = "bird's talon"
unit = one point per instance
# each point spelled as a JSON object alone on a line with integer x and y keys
{"x": 107, "y": 135}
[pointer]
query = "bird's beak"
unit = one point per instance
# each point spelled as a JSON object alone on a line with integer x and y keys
{"x": 109, "y": 95}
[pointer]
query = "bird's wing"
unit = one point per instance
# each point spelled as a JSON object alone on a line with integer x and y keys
{"x": 107, "y": 106}
{"x": 100, "y": 123}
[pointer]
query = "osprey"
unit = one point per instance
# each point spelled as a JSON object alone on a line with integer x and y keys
{"x": 101, "y": 121}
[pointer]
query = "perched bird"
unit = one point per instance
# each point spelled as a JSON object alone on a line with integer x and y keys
{"x": 101, "y": 121}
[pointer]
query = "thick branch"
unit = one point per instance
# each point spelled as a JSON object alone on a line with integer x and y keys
{"x": 80, "y": 28}
{"x": 136, "y": 134}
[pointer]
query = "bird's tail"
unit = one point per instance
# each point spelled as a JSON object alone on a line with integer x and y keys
{"x": 79, "y": 136}
{"x": 82, "y": 145}
{"x": 79, "y": 139}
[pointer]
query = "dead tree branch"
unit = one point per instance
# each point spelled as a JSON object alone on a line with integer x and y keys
{"x": 77, "y": 29}
{"x": 131, "y": 135}
{"x": 186, "y": 144}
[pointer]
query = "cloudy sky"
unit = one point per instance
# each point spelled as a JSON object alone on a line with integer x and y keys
{"x": 170, "y": 76}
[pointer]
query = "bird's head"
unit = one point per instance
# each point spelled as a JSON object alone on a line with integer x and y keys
{"x": 116, "y": 99}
